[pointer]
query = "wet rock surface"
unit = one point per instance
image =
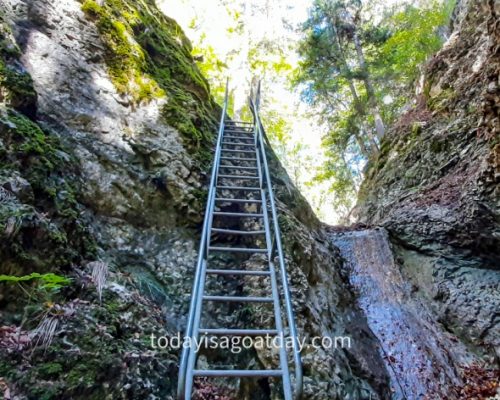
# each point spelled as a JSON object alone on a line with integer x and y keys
{"x": 435, "y": 184}
{"x": 422, "y": 358}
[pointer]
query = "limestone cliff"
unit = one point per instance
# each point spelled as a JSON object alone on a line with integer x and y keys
{"x": 434, "y": 185}
{"x": 106, "y": 130}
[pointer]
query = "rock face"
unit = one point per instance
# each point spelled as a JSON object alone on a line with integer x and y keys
{"x": 106, "y": 127}
{"x": 422, "y": 358}
{"x": 434, "y": 186}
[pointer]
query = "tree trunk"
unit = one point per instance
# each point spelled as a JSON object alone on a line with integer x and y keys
{"x": 360, "y": 109}
{"x": 379, "y": 124}
{"x": 353, "y": 179}
{"x": 366, "y": 132}
{"x": 362, "y": 145}
{"x": 371, "y": 138}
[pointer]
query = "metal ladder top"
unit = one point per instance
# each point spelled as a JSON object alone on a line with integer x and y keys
{"x": 237, "y": 143}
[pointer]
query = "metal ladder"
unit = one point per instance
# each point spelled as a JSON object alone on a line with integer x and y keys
{"x": 240, "y": 156}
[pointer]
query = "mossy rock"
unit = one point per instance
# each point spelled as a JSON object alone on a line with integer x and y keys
{"x": 148, "y": 56}
{"x": 16, "y": 86}
{"x": 442, "y": 101}
{"x": 45, "y": 232}
{"x": 438, "y": 145}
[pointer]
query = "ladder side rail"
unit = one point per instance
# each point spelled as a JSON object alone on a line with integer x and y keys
{"x": 191, "y": 362}
{"x": 181, "y": 385}
{"x": 287, "y": 386}
{"x": 277, "y": 242}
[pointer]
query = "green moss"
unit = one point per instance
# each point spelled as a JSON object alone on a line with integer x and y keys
{"x": 437, "y": 145}
{"x": 148, "y": 56}
{"x": 5, "y": 368}
{"x": 48, "y": 370}
{"x": 416, "y": 129}
{"x": 83, "y": 375}
{"x": 286, "y": 223}
{"x": 442, "y": 101}
{"x": 381, "y": 158}
{"x": 91, "y": 8}
{"x": 31, "y": 140}
{"x": 175, "y": 114}
{"x": 45, "y": 392}
{"x": 125, "y": 58}
{"x": 53, "y": 215}
{"x": 17, "y": 85}
{"x": 200, "y": 194}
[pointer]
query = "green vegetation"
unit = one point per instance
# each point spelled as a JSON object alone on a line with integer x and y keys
{"x": 49, "y": 282}
{"x": 37, "y": 293}
{"x": 16, "y": 86}
{"x": 213, "y": 68}
{"x": 149, "y": 57}
{"x": 358, "y": 70}
{"x": 253, "y": 55}
{"x": 29, "y": 139}
{"x": 413, "y": 36}
{"x": 48, "y": 210}
{"x": 125, "y": 59}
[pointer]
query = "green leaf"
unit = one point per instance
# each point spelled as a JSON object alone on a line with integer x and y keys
{"x": 50, "y": 281}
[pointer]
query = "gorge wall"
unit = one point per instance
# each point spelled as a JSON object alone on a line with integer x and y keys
{"x": 434, "y": 185}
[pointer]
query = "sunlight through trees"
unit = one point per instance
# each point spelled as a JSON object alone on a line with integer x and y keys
{"x": 336, "y": 74}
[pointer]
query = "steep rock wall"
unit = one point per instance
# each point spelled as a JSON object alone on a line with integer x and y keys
{"x": 434, "y": 185}
{"x": 423, "y": 358}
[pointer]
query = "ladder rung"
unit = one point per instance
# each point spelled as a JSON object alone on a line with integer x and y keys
{"x": 238, "y": 151}
{"x": 238, "y": 373}
{"x": 239, "y": 299}
{"x": 238, "y": 332}
{"x": 238, "y": 167}
{"x": 237, "y": 249}
{"x": 238, "y": 200}
{"x": 238, "y": 122}
{"x": 237, "y": 232}
{"x": 237, "y": 188}
{"x": 239, "y": 144}
{"x": 238, "y": 159}
{"x": 239, "y": 176}
{"x": 237, "y": 272}
{"x": 238, "y": 137}
{"x": 243, "y": 130}
{"x": 237, "y": 214}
